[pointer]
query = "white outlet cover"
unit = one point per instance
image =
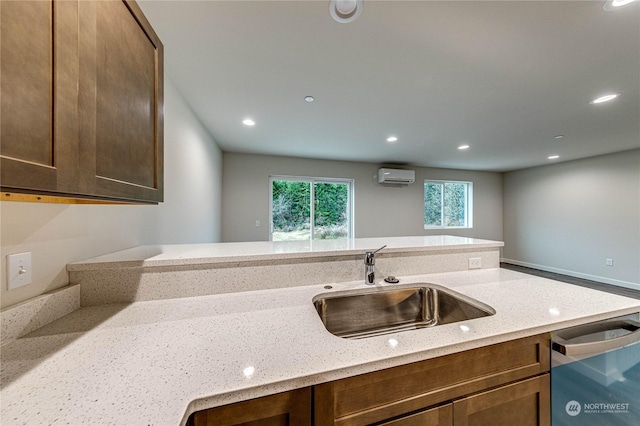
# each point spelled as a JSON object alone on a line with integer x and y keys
{"x": 475, "y": 263}
{"x": 18, "y": 270}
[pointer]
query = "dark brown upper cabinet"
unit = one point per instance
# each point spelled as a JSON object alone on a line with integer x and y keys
{"x": 82, "y": 101}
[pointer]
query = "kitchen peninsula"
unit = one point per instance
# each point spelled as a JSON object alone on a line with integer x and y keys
{"x": 158, "y": 353}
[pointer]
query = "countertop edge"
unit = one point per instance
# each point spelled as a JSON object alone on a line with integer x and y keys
{"x": 90, "y": 264}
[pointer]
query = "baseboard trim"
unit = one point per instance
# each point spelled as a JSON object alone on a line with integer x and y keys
{"x": 619, "y": 283}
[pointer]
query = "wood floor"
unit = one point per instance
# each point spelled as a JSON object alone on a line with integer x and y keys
{"x": 575, "y": 281}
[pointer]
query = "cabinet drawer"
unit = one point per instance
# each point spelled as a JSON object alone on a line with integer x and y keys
{"x": 525, "y": 403}
{"x": 385, "y": 394}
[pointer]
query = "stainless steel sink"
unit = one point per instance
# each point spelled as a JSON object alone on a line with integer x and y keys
{"x": 371, "y": 312}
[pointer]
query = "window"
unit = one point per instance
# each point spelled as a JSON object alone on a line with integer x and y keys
{"x": 448, "y": 204}
{"x": 311, "y": 208}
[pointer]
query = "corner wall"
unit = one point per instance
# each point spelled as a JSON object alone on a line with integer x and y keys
{"x": 569, "y": 217}
{"x": 57, "y": 234}
{"x": 380, "y": 211}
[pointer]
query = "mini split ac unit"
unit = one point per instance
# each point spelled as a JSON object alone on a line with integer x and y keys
{"x": 397, "y": 176}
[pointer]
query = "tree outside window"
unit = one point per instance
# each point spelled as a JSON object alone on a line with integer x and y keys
{"x": 310, "y": 208}
{"x": 447, "y": 204}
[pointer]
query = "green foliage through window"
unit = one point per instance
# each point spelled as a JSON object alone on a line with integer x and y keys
{"x": 291, "y": 205}
{"x": 292, "y": 210}
{"x": 446, "y": 204}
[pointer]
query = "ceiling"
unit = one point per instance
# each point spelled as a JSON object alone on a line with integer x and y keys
{"x": 503, "y": 77}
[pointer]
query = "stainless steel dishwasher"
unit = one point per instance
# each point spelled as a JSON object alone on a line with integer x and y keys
{"x": 595, "y": 373}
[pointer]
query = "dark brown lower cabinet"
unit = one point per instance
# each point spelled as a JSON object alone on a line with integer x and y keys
{"x": 502, "y": 384}
{"x": 438, "y": 416}
{"x": 396, "y": 394}
{"x": 284, "y": 409}
{"x": 524, "y": 403}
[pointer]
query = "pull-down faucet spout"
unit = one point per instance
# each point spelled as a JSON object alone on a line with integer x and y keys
{"x": 369, "y": 263}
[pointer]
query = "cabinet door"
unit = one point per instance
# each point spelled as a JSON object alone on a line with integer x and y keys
{"x": 380, "y": 395}
{"x": 121, "y": 93}
{"x": 81, "y": 103}
{"x": 522, "y": 403}
{"x": 38, "y": 102}
{"x": 438, "y": 416}
{"x": 284, "y": 409}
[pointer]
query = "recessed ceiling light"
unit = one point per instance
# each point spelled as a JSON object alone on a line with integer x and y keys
{"x": 605, "y": 98}
{"x": 610, "y": 5}
{"x": 309, "y": 98}
{"x": 558, "y": 137}
{"x": 248, "y": 122}
{"x": 392, "y": 139}
{"x": 463, "y": 147}
{"x": 553, "y": 157}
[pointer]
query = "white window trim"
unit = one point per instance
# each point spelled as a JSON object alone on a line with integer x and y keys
{"x": 312, "y": 180}
{"x": 468, "y": 200}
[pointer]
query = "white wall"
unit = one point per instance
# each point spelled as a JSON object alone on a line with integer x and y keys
{"x": 379, "y": 210}
{"x": 569, "y": 217}
{"x": 58, "y": 234}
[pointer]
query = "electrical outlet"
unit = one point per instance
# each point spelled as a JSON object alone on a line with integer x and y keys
{"x": 18, "y": 270}
{"x": 257, "y": 223}
{"x": 608, "y": 262}
{"x": 475, "y": 263}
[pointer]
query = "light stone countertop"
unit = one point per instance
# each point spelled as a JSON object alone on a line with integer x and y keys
{"x": 156, "y": 362}
{"x": 193, "y": 254}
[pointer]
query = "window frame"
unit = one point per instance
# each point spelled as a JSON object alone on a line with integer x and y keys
{"x": 313, "y": 180}
{"x": 468, "y": 202}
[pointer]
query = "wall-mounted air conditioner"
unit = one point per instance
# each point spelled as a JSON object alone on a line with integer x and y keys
{"x": 397, "y": 176}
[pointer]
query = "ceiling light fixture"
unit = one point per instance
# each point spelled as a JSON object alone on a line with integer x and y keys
{"x": 392, "y": 139}
{"x": 463, "y": 147}
{"x": 610, "y": 5}
{"x": 558, "y": 137}
{"x": 605, "y": 98}
{"x": 345, "y": 11}
{"x": 553, "y": 157}
{"x": 309, "y": 98}
{"x": 248, "y": 122}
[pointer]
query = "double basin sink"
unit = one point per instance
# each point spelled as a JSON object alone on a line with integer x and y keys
{"x": 371, "y": 312}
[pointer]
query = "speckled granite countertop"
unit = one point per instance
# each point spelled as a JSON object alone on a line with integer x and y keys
{"x": 193, "y": 254}
{"x": 156, "y": 362}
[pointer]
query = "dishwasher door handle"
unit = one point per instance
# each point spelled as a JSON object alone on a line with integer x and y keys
{"x": 600, "y": 346}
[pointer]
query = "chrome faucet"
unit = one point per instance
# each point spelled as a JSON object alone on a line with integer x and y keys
{"x": 369, "y": 262}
